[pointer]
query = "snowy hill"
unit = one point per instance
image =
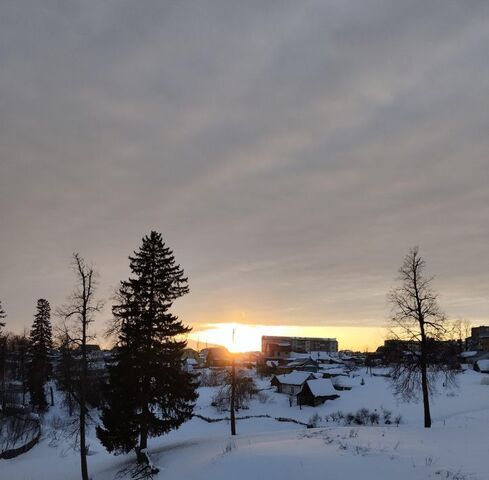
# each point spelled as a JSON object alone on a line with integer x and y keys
{"x": 455, "y": 448}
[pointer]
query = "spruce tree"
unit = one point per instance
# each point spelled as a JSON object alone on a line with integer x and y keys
{"x": 149, "y": 393}
{"x": 3, "y": 356}
{"x": 40, "y": 345}
{"x": 3, "y": 315}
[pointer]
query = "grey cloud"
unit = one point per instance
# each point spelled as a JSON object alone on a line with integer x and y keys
{"x": 290, "y": 152}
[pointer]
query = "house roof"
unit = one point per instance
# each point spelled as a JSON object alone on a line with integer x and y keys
{"x": 294, "y": 378}
{"x": 468, "y": 354}
{"x": 483, "y": 365}
{"x": 302, "y": 362}
{"x": 322, "y": 387}
{"x": 334, "y": 371}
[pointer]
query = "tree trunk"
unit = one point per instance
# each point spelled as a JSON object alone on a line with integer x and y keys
{"x": 143, "y": 441}
{"x": 70, "y": 404}
{"x": 233, "y": 399}
{"x": 426, "y": 393}
{"x": 83, "y": 447}
{"x": 424, "y": 379}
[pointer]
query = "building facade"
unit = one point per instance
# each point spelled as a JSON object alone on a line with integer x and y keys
{"x": 479, "y": 339}
{"x": 280, "y": 347}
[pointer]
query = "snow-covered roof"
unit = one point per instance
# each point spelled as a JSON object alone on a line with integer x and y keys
{"x": 332, "y": 366}
{"x": 483, "y": 365}
{"x": 334, "y": 371}
{"x": 314, "y": 354}
{"x": 293, "y": 378}
{"x": 341, "y": 382}
{"x": 322, "y": 387}
{"x": 468, "y": 354}
{"x": 298, "y": 355}
{"x": 304, "y": 361}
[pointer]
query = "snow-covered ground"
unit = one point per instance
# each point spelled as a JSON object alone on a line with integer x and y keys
{"x": 457, "y": 447}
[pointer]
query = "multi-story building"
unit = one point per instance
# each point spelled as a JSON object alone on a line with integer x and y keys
{"x": 280, "y": 347}
{"x": 479, "y": 339}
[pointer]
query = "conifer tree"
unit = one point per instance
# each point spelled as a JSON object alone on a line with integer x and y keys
{"x": 40, "y": 345}
{"x": 149, "y": 393}
{"x": 3, "y": 356}
{"x": 3, "y": 315}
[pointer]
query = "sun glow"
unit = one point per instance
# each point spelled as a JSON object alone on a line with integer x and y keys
{"x": 239, "y": 337}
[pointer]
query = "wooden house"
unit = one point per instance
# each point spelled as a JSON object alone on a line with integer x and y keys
{"x": 291, "y": 383}
{"x": 316, "y": 392}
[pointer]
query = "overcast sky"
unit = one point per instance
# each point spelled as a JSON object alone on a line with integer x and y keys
{"x": 290, "y": 152}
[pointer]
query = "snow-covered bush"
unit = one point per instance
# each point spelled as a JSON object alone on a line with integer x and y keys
{"x": 337, "y": 416}
{"x": 314, "y": 420}
{"x": 364, "y": 416}
{"x": 374, "y": 417}
{"x": 264, "y": 397}
{"x": 212, "y": 378}
{"x": 245, "y": 390}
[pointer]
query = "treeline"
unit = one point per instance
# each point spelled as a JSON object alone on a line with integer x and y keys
{"x": 146, "y": 392}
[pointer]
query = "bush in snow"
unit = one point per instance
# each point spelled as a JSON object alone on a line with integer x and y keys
{"x": 314, "y": 420}
{"x": 387, "y": 414}
{"x": 364, "y": 416}
{"x": 212, "y": 378}
{"x": 264, "y": 397}
{"x": 374, "y": 418}
{"x": 349, "y": 418}
{"x": 337, "y": 416}
{"x": 245, "y": 390}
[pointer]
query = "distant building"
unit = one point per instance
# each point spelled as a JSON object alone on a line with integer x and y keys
{"x": 280, "y": 347}
{"x": 216, "y": 357}
{"x": 479, "y": 339}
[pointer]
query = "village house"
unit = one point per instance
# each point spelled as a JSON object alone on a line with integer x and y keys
{"x": 482, "y": 366}
{"x": 216, "y": 357}
{"x": 291, "y": 383}
{"x": 305, "y": 365}
{"x": 316, "y": 392}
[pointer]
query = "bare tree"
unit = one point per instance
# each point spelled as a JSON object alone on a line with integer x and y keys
{"x": 78, "y": 313}
{"x": 235, "y": 390}
{"x": 232, "y": 403}
{"x": 461, "y": 330}
{"x": 419, "y": 326}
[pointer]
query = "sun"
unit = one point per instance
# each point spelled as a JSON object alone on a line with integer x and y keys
{"x": 234, "y": 336}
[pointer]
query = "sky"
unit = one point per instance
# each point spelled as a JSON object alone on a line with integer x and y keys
{"x": 289, "y": 152}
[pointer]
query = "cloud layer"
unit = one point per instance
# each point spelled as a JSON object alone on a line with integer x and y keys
{"x": 289, "y": 152}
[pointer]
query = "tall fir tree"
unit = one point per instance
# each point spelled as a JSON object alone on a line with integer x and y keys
{"x": 149, "y": 393}
{"x": 40, "y": 345}
{"x": 3, "y": 357}
{"x": 3, "y": 315}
